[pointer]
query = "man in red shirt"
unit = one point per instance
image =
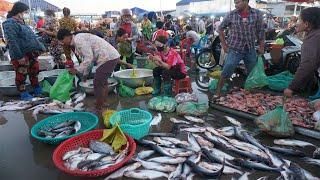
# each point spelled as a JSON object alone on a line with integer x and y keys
{"x": 160, "y": 31}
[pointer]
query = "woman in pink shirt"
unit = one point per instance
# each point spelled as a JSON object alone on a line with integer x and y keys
{"x": 170, "y": 66}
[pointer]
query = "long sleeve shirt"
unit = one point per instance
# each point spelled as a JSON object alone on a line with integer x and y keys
{"x": 93, "y": 49}
{"x": 310, "y": 61}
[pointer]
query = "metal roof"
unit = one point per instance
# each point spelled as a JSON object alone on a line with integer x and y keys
{"x": 41, "y": 4}
{"x": 187, "y": 2}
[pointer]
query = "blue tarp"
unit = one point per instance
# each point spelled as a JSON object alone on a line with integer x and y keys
{"x": 137, "y": 11}
{"x": 41, "y": 4}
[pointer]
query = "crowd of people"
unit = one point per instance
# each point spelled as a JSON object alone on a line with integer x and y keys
{"x": 239, "y": 31}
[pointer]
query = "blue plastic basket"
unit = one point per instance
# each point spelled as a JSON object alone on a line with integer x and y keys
{"x": 135, "y": 122}
{"x": 88, "y": 122}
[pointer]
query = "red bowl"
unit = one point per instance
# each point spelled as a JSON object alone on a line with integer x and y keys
{"x": 83, "y": 141}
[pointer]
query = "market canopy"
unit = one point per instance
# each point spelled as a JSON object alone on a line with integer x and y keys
{"x": 137, "y": 11}
{"x": 41, "y": 5}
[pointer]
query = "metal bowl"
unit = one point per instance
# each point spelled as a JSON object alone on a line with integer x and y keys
{"x": 46, "y": 63}
{"x": 144, "y": 76}
{"x": 6, "y": 66}
{"x": 88, "y": 87}
{"x": 8, "y": 86}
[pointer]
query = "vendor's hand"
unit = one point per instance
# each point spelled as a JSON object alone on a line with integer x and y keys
{"x": 288, "y": 93}
{"x": 73, "y": 71}
{"x": 22, "y": 61}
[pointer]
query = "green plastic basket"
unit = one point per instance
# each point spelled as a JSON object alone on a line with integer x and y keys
{"x": 88, "y": 122}
{"x": 135, "y": 122}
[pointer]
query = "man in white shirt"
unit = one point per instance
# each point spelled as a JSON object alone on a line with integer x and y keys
{"x": 193, "y": 35}
{"x": 202, "y": 26}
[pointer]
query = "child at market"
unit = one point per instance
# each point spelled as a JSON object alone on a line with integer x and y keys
{"x": 124, "y": 48}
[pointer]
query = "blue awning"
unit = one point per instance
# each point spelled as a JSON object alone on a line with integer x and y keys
{"x": 137, "y": 11}
{"x": 41, "y": 4}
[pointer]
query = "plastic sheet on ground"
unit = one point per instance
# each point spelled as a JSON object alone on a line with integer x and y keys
{"x": 186, "y": 97}
{"x": 192, "y": 109}
{"x": 276, "y": 123}
{"x": 163, "y": 104}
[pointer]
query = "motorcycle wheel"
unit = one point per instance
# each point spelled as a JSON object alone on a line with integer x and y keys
{"x": 206, "y": 59}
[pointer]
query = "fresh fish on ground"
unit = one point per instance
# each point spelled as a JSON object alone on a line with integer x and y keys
{"x": 157, "y": 166}
{"x": 218, "y": 153}
{"x": 194, "y": 130}
{"x": 193, "y": 142}
{"x": 119, "y": 173}
{"x": 307, "y": 132}
{"x": 205, "y": 172}
{"x": 227, "y": 131}
{"x": 168, "y": 160}
{"x": 176, "y": 174}
{"x": 175, "y": 141}
{"x": 203, "y": 142}
{"x": 218, "y": 159}
{"x": 145, "y": 154}
{"x": 163, "y": 142}
{"x": 263, "y": 178}
{"x": 190, "y": 176}
{"x": 216, "y": 166}
{"x": 177, "y": 121}
{"x": 194, "y": 119}
{"x": 292, "y": 142}
{"x": 244, "y": 176}
{"x": 160, "y": 150}
{"x": 161, "y": 135}
{"x": 78, "y": 107}
{"x": 80, "y": 98}
{"x": 101, "y": 147}
{"x": 286, "y": 151}
{"x": 179, "y": 152}
{"x": 156, "y": 120}
{"x": 233, "y": 121}
{"x": 255, "y": 165}
{"x": 145, "y": 174}
{"x": 312, "y": 161}
{"x": 316, "y": 153}
{"x": 250, "y": 155}
{"x": 218, "y": 141}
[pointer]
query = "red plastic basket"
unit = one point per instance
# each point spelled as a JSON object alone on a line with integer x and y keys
{"x": 83, "y": 141}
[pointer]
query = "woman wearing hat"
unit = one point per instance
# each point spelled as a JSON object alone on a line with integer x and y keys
{"x": 24, "y": 49}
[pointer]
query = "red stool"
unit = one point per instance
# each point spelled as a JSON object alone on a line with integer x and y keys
{"x": 182, "y": 85}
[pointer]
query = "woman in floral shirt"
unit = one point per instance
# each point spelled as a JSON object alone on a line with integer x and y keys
{"x": 92, "y": 49}
{"x": 50, "y": 30}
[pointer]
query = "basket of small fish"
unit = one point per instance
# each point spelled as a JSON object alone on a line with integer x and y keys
{"x": 86, "y": 156}
{"x": 134, "y": 122}
{"x": 56, "y": 129}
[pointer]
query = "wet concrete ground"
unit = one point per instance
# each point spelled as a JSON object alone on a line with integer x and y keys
{"x": 22, "y": 157}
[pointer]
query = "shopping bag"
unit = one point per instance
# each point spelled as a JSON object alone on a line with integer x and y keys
{"x": 276, "y": 123}
{"x": 163, "y": 104}
{"x": 125, "y": 91}
{"x": 281, "y": 81}
{"x": 257, "y": 77}
{"x": 214, "y": 85}
{"x": 192, "y": 109}
{"x": 61, "y": 89}
{"x": 46, "y": 86}
{"x": 115, "y": 137}
{"x": 106, "y": 117}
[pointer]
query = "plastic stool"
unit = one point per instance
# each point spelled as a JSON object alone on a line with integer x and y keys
{"x": 183, "y": 85}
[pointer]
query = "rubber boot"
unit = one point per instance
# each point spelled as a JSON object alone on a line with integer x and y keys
{"x": 38, "y": 91}
{"x": 25, "y": 96}
{"x": 167, "y": 89}
{"x": 156, "y": 86}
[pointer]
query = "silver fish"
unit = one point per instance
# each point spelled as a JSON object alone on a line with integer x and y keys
{"x": 292, "y": 142}
{"x": 177, "y": 121}
{"x": 80, "y": 98}
{"x": 216, "y": 166}
{"x": 65, "y": 133}
{"x": 101, "y": 147}
{"x": 157, "y": 166}
{"x": 69, "y": 154}
{"x": 177, "y": 173}
{"x": 145, "y": 154}
{"x": 316, "y": 154}
{"x": 179, "y": 152}
{"x": 175, "y": 141}
{"x": 77, "y": 126}
{"x": 194, "y": 130}
{"x": 312, "y": 161}
{"x": 64, "y": 124}
{"x": 156, "y": 120}
{"x": 168, "y": 160}
{"x": 145, "y": 174}
{"x": 193, "y": 142}
{"x": 119, "y": 173}
{"x": 194, "y": 119}
{"x": 244, "y": 176}
{"x": 190, "y": 176}
{"x": 233, "y": 121}
{"x": 218, "y": 153}
{"x": 163, "y": 142}
{"x": 203, "y": 142}
{"x": 78, "y": 107}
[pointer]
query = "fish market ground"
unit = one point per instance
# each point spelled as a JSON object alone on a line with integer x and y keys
{"x": 22, "y": 157}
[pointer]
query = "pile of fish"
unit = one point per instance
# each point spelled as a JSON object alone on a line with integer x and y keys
{"x": 258, "y": 104}
{"x": 61, "y": 130}
{"x": 98, "y": 156}
{"x": 56, "y": 107}
{"x": 210, "y": 153}
{"x": 21, "y": 105}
